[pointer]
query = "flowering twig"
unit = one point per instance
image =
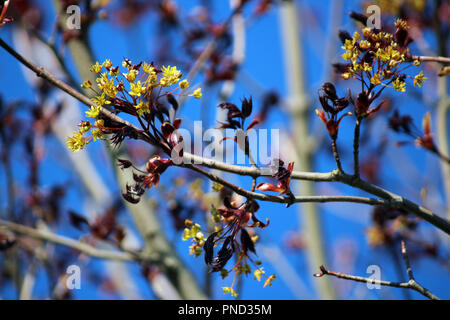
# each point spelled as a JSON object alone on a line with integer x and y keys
{"x": 411, "y": 284}
{"x": 394, "y": 199}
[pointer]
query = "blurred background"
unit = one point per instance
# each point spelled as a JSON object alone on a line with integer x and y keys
{"x": 278, "y": 52}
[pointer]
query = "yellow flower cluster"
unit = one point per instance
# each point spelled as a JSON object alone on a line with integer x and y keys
{"x": 375, "y": 56}
{"x": 193, "y": 231}
{"x": 78, "y": 140}
{"x": 133, "y": 87}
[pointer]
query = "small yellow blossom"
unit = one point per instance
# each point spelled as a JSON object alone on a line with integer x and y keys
{"x": 197, "y": 93}
{"x": 230, "y": 290}
{"x": 419, "y": 79}
{"x": 76, "y": 142}
{"x": 184, "y": 84}
{"x": 96, "y": 68}
{"x": 356, "y": 36}
{"x": 171, "y": 74}
{"x": 399, "y": 85}
{"x": 258, "y": 274}
{"x": 86, "y": 85}
{"x": 136, "y": 89}
{"x": 107, "y": 64}
{"x": 142, "y": 108}
{"x": 364, "y": 44}
{"x": 269, "y": 280}
{"x": 375, "y": 79}
{"x": 148, "y": 68}
{"x": 367, "y": 67}
{"x": 97, "y": 134}
{"x": 93, "y": 112}
{"x": 100, "y": 123}
{"x": 346, "y": 76}
{"x": 366, "y": 32}
{"x": 101, "y": 100}
{"x": 131, "y": 75}
{"x": 401, "y": 24}
{"x": 85, "y": 126}
{"x": 417, "y": 63}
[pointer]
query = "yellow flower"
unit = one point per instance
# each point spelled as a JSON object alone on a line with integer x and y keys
{"x": 184, "y": 84}
{"x": 86, "y": 85}
{"x": 401, "y": 24}
{"x": 96, "y": 68}
{"x": 346, "y": 76}
{"x": 269, "y": 280}
{"x": 366, "y": 32}
{"x": 76, "y": 142}
{"x": 197, "y": 93}
{"x": 131, "y": 75}
{"x": 419, "y": 79}
{"x": 85, "y": 126}
{"x": 382, "y": 55}
{"x": 230, "y": 290}
{"x": 97, "y": 134}
{"x": 107, "y": 64}
{"x": 148, "y": 68}
{"x": 258, "y": 273}
{"x": 347, "y": 55}
{"x": 399, "y": 85}
{"x": 136, "y": 89}
{"x": 164, "y": 82}
{"x": 417, "y": 63}
{"x": 348, "y": 45}
{"x": 93, "y": 112}
{"x": 356, "y": 36}
{"x": 171, "y": 74}
{"x": 142, "y": 108}
{"x": 101, "y": 100}
{"x": 367, "y": 67}
{"x": 375, "y": 79}
{"x": 364, "y": 44}
{"x": 99, "y": 123}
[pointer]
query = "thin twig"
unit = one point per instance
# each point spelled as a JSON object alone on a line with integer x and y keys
{"x": 411, "y": 284}
{"x": 431, "y": 59}
{"x": 356, "y": 147}
{"x": 336, "y": 154}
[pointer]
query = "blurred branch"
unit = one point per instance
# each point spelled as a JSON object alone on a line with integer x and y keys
{"x": 411, "y": 284}
{"x": 68, "y": 242}
{"x": 293, "y": 56}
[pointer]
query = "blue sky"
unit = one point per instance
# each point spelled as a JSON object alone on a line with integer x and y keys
{"x": 343, "y": 224}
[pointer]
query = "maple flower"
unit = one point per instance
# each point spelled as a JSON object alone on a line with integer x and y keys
{"x": 419, "y": 79}
{"x": 93, "y": 112}
{"x": 86, "y": 85}
{"x": 96, "y": 68}
{"x": 171, "y": 74}
{"x": 399, "y": 85}
{"x": 184, "y": 84}
{"x": 76, "y": 142}
{"x": 101, "y": 100}
{"x": 136, "y": 89}
{"x": 197, "y": 93}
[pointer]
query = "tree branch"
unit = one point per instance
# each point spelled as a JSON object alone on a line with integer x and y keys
{"x": 411, "y": 284}
{"x": 71, "y": 243}
{"x": 394, "y": 199}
